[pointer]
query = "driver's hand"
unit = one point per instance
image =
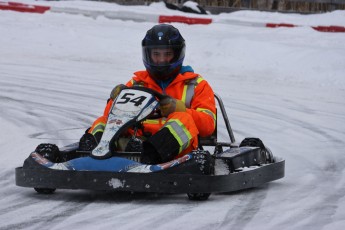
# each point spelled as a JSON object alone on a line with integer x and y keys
{"x": 169, "y": 105}
{"x": 116, "y": 91}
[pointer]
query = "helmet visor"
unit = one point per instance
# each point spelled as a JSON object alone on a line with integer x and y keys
{"x": 163, "y": 55}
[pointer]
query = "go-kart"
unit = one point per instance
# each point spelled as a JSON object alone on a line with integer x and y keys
{"x": 215, "y": 167}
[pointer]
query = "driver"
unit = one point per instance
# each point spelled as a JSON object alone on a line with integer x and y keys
{"x": 187, "y": 112}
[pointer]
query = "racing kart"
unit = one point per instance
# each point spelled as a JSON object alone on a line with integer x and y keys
{"x": 215, "y": 167}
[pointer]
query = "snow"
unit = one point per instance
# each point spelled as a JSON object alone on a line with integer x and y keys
{"x": 284, "y": 85}
{"x": 192, "y": 5}
{"x": 116, "y": 183}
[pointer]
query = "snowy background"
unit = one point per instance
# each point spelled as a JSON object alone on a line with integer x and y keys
{"x": 284, "y": 85}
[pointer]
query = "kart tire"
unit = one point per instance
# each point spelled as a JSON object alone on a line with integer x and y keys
{"x": 45, "y": 190}
{"x": 198, "y": 196}
{"x": 48, "y": 151}
{"x": 266, "y": 154}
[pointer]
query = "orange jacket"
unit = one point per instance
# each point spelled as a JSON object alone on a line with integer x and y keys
{"x": 202, "y": 106}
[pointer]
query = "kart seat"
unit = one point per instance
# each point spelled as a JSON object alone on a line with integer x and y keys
{"x": 209, "y": 140}
{"x": 212, "y": 139}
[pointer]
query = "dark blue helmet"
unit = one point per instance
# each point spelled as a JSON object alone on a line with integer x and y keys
{"x": 166, "y": 37}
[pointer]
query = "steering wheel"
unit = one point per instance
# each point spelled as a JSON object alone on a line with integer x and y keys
{"x": 125, "y": 98}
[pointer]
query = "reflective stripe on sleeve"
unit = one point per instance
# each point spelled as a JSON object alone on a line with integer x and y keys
{"x": 209, "y": 112}
{"x": 155, "y": 121}
{"x": 98, "y": 128}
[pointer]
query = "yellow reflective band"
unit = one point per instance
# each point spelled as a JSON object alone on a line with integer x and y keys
{"x": 199, "y": 79}
{"x": 184, "y": 93}
{"x": 180, "y": 133}
{"x": 209, "y": 113}
{"x": 98, "y": 128}
{"x": 160, "y": 121}
{"x": 152, "y": 122}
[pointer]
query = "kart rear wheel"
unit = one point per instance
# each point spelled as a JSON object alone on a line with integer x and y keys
{"x": 45, "y": 190}
{"x": 265, "y": 154}
{"x": 198, "y": 196}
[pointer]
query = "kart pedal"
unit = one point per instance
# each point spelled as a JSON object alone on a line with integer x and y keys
{"x": 134, "y": 145}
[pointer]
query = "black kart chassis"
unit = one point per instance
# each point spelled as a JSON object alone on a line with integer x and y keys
{"x": 173, "y": 180}
{"x": 246, "y": 170}
{"x": 149, "y": 182}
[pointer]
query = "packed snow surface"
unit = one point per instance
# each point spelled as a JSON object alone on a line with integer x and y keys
{"x": 284, "y": 85}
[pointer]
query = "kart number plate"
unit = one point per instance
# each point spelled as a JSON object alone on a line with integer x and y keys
{"x": 132, "y": 100}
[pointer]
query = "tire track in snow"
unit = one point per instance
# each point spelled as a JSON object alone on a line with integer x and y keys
{"x": 35, "y": 104}
{"x": 38, "y": 114}
{"x": 50, "y": 216}
{"x": 319, "y": 211}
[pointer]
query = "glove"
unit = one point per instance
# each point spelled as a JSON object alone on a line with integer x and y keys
{"x": 169, "y": 105}
{"x": 116, "y": 91}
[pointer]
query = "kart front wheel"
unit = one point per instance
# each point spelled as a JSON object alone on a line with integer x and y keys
{"x": 198, "y": 196}
{"x": 45, "y": 190}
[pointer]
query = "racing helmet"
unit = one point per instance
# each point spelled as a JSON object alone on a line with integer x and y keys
{"x": 164, "y": 37}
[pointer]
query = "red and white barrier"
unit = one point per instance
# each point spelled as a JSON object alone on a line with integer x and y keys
{"x": 318, "y": 28}
{"x": 20, "y": 7}
{"x": 182, "y": 19}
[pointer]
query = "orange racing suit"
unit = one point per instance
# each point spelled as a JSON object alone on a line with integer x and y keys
{"x": 198, "y": 120}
